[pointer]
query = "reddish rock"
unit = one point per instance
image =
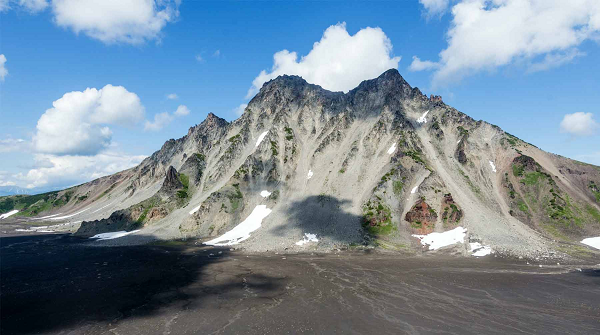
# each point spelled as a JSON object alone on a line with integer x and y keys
{"x": 421, "y": 213}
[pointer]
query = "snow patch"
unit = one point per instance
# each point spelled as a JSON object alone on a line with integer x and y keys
{"x": 493, "y": 166}
{"x": 593, "y": 242}
{"x": 242, "y": 231}
{"x": 101, "y": 208}
{"x": 265, "y": 193}
{"x": 194, "y": 210}
{"x": 440, "y": 240}
{"x": 310, "y": 174}
{"x": 479, "y": 250}
{"x": 261, "y": 137}
{"x": 47, "y": 217}
{"x": 414, "y": 189}
{"x": 113, "y": 235}
{"x": 6, "y": 215}
{"x": 68, "y": 216}
{"x": 307, "y": 239}
{"x": 392, "y": 149}
{"x": 422, "y": 119}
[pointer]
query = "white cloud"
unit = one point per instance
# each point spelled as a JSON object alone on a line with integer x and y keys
{"x": 52, "y": 170}
{"x": 116, "y": 21}
{"x": 76, "y": 125}
{"x": 239, "y": 110}
{"x": 3, "y": 70}
{"x": 579, "y": 124}
{"x": 434, "y": 7}
{"x": 161, "y": 120}
{"x": 182, "y": 110}
{"x": 553, "y": 60}
{"x": 34, "y": 6}
{"x": 199, "y": 58}
{"x": 338, "y": 62}
{"x": 4, "y": 5}
{"x": 217, "y": 53}
{"x": 487, "y": 34}
{"x": 172, "y": 96}
{"x": 11, "y": 145}
{"x": 419, "y": 65}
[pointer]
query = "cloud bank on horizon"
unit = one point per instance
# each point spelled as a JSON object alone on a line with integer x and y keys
{"x": 338, "y": 62}
{"x": 487, "y": 34}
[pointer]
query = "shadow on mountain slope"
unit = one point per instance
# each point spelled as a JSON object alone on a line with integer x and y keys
{"x": 57, "y": 284}
{"x": 325, "y": 216}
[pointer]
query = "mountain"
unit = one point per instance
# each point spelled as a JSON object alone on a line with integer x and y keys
{"x": 12, "y": 190}
{"x": 373, "y": 166}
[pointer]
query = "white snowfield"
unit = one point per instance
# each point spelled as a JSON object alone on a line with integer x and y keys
{"x": 479, "y": 250}
{"x": 422, "y": 119}
{"x": 6, "y": 215}
{"x": 414, "y": 189}
{"x": 310, "y": 174}
{"x": 242, "y": 231}
{"x": 392, "y": 149}
{"x": 439, "y": 240}
{"x": 493, "y": 166}
{"x": 308, "y": 237}
{"x": 101, "y": 208}
{"x": 68, "y": 216}
{"x": 261, "y": 137}
{"x": 265, "y": 193}
{"x": 593, "y": 242}
{"x": 113, "y": 235}
{"x": 194, "y": 210}
{"x": 47, "y": 217}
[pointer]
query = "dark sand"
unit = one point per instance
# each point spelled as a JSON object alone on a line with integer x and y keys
{"x": 54, "y": 284}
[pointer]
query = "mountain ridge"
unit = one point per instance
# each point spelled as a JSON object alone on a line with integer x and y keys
{"x": 344, "y": 166}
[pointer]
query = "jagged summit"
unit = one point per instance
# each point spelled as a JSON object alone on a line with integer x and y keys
{"x": 382, "y": 163}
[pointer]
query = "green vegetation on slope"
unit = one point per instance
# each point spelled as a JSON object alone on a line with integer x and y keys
{"x": 31, "y": 205}
{"x": 377, "y": 218}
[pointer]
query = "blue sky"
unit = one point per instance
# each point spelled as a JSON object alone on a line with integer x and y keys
{"x": 52, "y": 48}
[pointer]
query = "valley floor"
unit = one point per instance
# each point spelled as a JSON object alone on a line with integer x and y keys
{"x": 56, "y": 284}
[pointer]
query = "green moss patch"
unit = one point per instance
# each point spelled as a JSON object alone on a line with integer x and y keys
{"x": 377, "y": 218}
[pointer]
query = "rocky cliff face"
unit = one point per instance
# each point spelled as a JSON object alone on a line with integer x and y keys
{"x": 379, "y": 163}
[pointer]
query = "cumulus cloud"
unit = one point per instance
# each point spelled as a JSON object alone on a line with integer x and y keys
{"x": 161, "y": 120}
{"x": 419, "y": 65}
{"x": 199, "y": 58}
{"x": 116, "y": 21}
{"x": 12, "y": 144}
{"x": 338, "y": 62}
{"x": 172, "y": 96}
{"x": 579, "y": 124}
{"x": 4, "y": 6}
{"x": 239, "y": 110}
{"x": 53, "y": 170}
{"x": 182, "y": 110}
{"x": 77, "y": 123}
{"x": 487, "y": 34}
{"x": 34, "y": 6}
{"x": 3, "y": 70}
{"x": 434, "y": 7}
